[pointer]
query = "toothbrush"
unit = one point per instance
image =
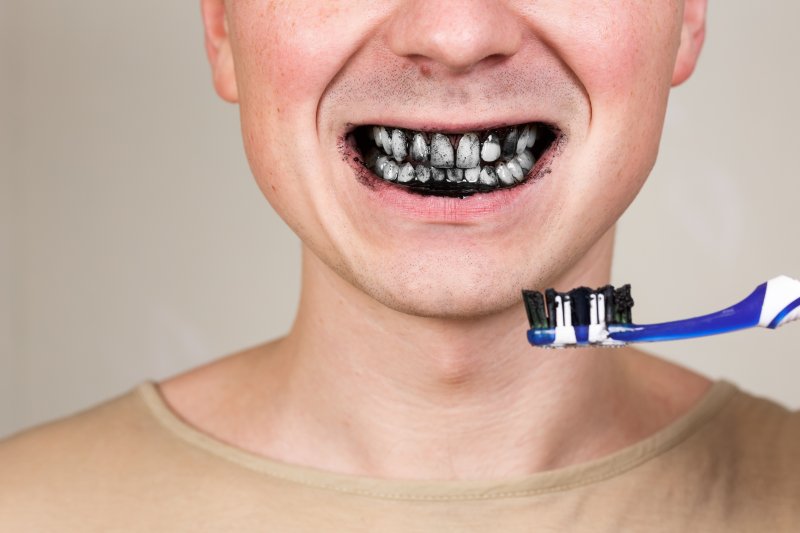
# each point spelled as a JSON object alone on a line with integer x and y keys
{"x": 602, "y": 317}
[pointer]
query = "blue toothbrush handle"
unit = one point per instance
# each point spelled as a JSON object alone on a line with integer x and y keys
{"x": 770, "y": 305}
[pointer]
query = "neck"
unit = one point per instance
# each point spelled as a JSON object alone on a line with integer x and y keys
{"x": 442, "y": 395}
{"x": 399, "y": 396}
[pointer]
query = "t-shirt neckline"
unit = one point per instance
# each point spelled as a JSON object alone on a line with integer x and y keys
{"x": 560, "y": 479}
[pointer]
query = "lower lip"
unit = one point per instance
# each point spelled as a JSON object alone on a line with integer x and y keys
{"x": 439, "y": 209}
{"x": 444, "y": 209}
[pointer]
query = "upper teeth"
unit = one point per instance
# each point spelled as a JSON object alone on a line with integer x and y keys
{"x": 467, "y": 155}
{"x": 399, "y": 145}
{"x": 419, "y": 148}
{"x": 491, "y": 148}
{"x": 441, "y": 151}
{"x": 408, "y": 156}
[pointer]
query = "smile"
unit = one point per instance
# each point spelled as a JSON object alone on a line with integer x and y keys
{"x": 453, "y": 164}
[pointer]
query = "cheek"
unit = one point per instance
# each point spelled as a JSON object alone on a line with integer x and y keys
{"x": 289, "y": 50}
{"x": 623, "y": 53}
{"x": 622, "y": 48}
{"x": 287, "y": 53}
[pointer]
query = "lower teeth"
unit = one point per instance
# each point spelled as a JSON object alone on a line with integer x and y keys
{"x": 503, "y": 174}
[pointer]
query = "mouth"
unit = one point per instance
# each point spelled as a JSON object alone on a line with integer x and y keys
{"x": 440, "y": 163}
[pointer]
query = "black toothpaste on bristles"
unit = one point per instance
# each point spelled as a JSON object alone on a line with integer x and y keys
{"x": 542, "y": 309}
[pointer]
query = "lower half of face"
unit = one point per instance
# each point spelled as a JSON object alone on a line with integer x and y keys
{"x": 441, "y": 192}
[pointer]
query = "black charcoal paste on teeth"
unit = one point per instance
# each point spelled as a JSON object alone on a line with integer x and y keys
{"x": 441, "y": 162}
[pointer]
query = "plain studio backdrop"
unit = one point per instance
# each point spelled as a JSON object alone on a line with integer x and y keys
{"x": 135, "y": 244}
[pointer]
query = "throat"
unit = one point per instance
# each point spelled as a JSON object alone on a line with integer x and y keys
{"x": 440, "y": 413}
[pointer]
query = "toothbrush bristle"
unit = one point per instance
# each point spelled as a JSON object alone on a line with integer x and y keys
{"x": 534, "y": 305}
{"x": 580, "y": 305}
{"x": 623, "y": 302}
{"x": 611, "y": 305}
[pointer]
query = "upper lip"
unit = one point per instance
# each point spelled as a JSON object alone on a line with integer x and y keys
{"x": 446, "y": 127}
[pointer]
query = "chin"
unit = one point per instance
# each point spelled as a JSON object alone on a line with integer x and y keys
{"x": 463, "y": 295}
{"x": 446, "y": 305}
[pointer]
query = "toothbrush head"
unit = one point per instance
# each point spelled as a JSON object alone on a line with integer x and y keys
{"x": 602, "y": 317}
{"x": 579, "y": 317}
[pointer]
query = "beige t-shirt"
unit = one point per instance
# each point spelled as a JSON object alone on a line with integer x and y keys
{"x": 731, "y": 464}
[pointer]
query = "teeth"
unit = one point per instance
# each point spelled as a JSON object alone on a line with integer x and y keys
{"x": 406, "y": 173}
{"x": 399, "y": 145}
{"x": 522, "y": 142}
{"x": 407, "y": 157}
{"x": 488, "y": 176}
{"x": 472, "y": 174}
{"x": 467, "y": 155}
{"x": 380, "y": 164}
{"x": 510, "y": 144}
{"x": 503, "y": 174}
{"x": 419, "y": 148}
{"x": 423, "y": 173}
{"x": 455, "y": 175}
{"x": 491, "y": 148}
{"x": 533, "y": 131}
{"x": 515, "y": 169}
{"x": 390, "y": 171}
{"x": 441, "y": 151}
{"x": 526, "y": 160}
{"x": 386, "y": 141}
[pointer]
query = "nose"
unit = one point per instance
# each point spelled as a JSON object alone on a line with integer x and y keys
{"x": 454, "y": 35}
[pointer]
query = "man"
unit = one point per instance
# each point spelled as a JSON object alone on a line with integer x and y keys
{"x": 405, "y": 397}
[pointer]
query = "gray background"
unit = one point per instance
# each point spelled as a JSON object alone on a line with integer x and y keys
{"x": 134, "y": 243}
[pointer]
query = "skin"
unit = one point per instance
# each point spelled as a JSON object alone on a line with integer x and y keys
{"x": 407, "y": 358}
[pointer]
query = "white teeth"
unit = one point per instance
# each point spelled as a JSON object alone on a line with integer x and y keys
{"x": 380, "y": 164}
{"x": 491, "y": 148}
{"x": 441, "y": 151}
{"x": 488, "y": 176}
{"x": 386, "y": 141}
{"x": 390, "y": 171}
{"x": 467, "y": 155}
{"x": 515, "y": 169}
{"x": 472, "y": 174}
{"x": 502, "y": 173}
{"x": 456, "y": 175}
{"x": 526, "y": 160}
{"x": 533, "y": 131}
{"x": 419, "y": 148}
{"x": 399, "y": 146}
{"x": 406, "y": 173}
{"x": 423, "y": 173}
{"x": 522, "y": 142}
{"x": 376, "y": 136}
{"x": 437, "y": 174}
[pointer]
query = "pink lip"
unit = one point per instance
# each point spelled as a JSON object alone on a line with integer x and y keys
{"x": 443, "y": 210}
{"x": 448, "y": 127}
{"x": 382, "y": 195}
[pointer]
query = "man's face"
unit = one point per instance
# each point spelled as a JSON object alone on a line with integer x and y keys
{"x": 314, "y": 79}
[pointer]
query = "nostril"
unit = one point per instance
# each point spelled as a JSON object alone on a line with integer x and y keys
{"x": 454, "y": 36}
{"x": 425, "y": 70}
